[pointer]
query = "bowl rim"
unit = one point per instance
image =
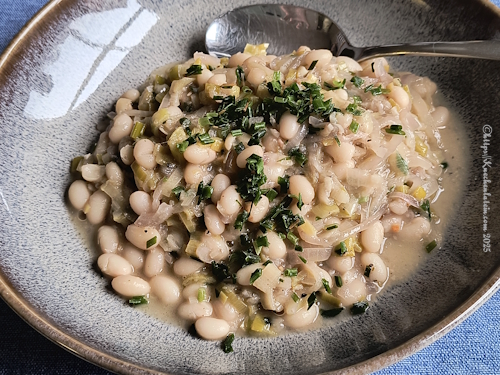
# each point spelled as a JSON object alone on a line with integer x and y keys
{"x": 49, "y": 329}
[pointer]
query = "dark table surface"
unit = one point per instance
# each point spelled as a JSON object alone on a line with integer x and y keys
{"x": 471, "y": 348}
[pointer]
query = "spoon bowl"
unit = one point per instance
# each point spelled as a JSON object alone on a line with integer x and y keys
{"x": 287, "y": 27}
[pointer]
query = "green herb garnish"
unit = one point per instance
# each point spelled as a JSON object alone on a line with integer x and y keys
{"x": 240, "y": 76}
{"x": 313, "y": 64}
{"x": 311, "y": 300}
{"x": 326, "y": 284}
{"x": 376, "y": 90}
{"x": 138, "y": 300}
{"x": 368, "y": 270}
{"x": 357, "y": 81}
{"x": 330, "y": 227}
{"x": 241, "y": 219}
{"x": 227, "y": 343}
{"x": 359, "y": 307}
{"x": 304, "y": 260}
{"x": 395, "y": 129}
{"x": 298, "y": 154}
{"x": 332, "y": 312}
{"x": 341, "y": 248}
{"x": 431, "y": 246}
{"x": 354, "y": 127}
{"x": 290, "y": 272}
{"x": 177, "y": 191}
{"x": 353, "y": 109}
{"x": 220, "y": 271}
{"x": 194, "y": 70}
{"x": 335, "y": 85}
{"x": 255, "y": 275}
{"x": 205, "y": 139}
{"x": 295, "y": 297}
{"x": 338, "y": 281}
{"x": 426, "y": 206}
{"x": 401, "y": 164}
{"x": 151, "y": 242}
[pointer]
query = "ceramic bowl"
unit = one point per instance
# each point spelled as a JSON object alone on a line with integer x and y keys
{"x": 62, "y": 75}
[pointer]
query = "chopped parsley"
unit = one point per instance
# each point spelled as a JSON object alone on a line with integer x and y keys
{"x": 298, "y": 154}
{"x": 248, "y": 185}
{"x": 259, "y": 243}
{"x": 227, "y": 343}
{"x": 284, "y": 183}
{"x": 271, "y": 194}
{"x": 281, "y": 219}
{"x": 376, "y": 90}
{"x": 151, "y": 242}
{"x": 241, "y": 219}
{"x": 220, "y": 271}
{"x": 204, "y": 192}
{"x": 177, "y": 191}
{"x": 357, "y": 81}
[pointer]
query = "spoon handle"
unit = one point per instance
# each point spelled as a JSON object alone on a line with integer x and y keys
{"x": 477, "y": 49}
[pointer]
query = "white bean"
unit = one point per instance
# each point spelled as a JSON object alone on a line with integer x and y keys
{"x": 289, "y": 126}
{"x": 122, "y": 126}
{"x": 441, "y": 115}
{"x": 130, "y": 286}
{"x": 93, "y": 172}
{"x": 123, "y": 104}
{"x": 155, "y": 261}
{"x": 166, "y": 289}
{"x": 194, "y": 174}
{"x": 302, "y": 318}
{"x": 238, "y": 59}
{"x": 372, "y": 237}
{"x": 203, "y": 78}
{"x": 323, "y": 56}
{"x": 114, "y": 265}
{"x": 340, "y": 169}
{"x": 78, "y": 194}
{"x": 212, "y": 248}
{"x": 127, "y": 154}
{"x": 378, "y": 270}
{"x": 140, "y": 236}
{"x": 131, "y": 94}
{"x": 241, "y": 160}
{"x": 143, "y": 153}
{"x": 225, "y": 311}
{"x": 213, "y": 220}
{"x": 416, "y": 229}
{"x": 259, "y": 210}
{"x": 301, "y": 185}
{"x": 400, "y": 96}
{"x": 276, "y": 248}
{"x": 200, "y": 155}
{"x": 342, "y": 153}
{"x": 340, "y": 264}
{"x": 398, "y": 206}
{"x": 134, "y": 255}
{"x": 211, "y": 328}
{"x": 99, "y": 203}
{"x": 218, "y": 79}
{"x": 108, "y": 239}
{"x": 186, "y": 266}
{"x": 243, "y": 275}
{"x": 220, "y": 183}
{"x": 190, "y": 292}
{"x": 229, "y": 202}
{"x": 194, "y": 310}
{"x": 256, "y": 76}
{"x": 114, "y": 173}
{"x": 141, "y": 202}
{"x": 352, "y": 291}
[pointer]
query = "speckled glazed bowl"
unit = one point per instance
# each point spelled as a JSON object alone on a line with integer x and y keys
{"x": 60, "y": 77}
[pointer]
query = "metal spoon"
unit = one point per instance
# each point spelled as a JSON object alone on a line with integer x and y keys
{"x": 286, "y": 27}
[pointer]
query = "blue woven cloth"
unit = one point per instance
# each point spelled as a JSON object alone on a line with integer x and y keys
{"x": 471, "y": 348}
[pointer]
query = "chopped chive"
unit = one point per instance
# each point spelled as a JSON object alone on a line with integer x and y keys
{"x": 353, "y": 109}
{"x": 290, "y": 272}
{"x": 194, "y": 70}
{"x": 354, "y": 127}
{"x": 395, "y": 129}
{"x": 332, "y": 312}
{"x": 335, "y": 85}
{"x": 269, "y": 261}
{"x": 227, "y": 343}
{"x": 326, "y": 284}
{"x": 138, "y": 300}
{"x": 182, "y": 146}
{"x": 431, "y": 246}
{"x": 295, "y": 297}
{"x": 241, "y": 219}
{"x": 357, "y": 81}
{"x": 426, "y": 206}
{"x": 341, "y": 249}
{"x": 368, "y": 270}
{"x": 292, "y": 238}
{"x": 337, "y": 140}
{"x": 240, "y": 76}
{"x": 357, "y": 99}
{"x": 239, "y": 148}
{"x": 151, "y": 242}
{"x": 236, "y": 132}
{"x": 330, "y": 227}
{"x": 202, "y": 294}
{"x": 311, "y": 300}
{"x": 271, "y": 194}
{"x": 255, "y": 275}
{"x": 137, "y": 130}
{"x": 304, "y": 260}
{"x": 359, "y": 307}
{"x": 313, "y": 64}
{"x": 338, "y": 281}
{"x": 177, "y": 191}
{"x": 299, "y": 249}
{"x": 205, "y": 139}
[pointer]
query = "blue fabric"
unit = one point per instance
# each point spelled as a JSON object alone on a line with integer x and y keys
{"x": 471, "y": 348}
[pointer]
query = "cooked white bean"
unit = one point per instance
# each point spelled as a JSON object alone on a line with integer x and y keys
{"x": 276, "y": 248}
{"x": 243, "y": 275}
{"x": 143, "y": 153}
{"x": 372, "y": 237}
{"x": 212, "y": 248}
{"x": 302, "y": 318}
{"x": 230, "y": 201}
{"x": 225, "y": 311}
{"x": 194, "y": 310}
{"x": 194, "y": 174}
{"x": 218, "y": 79}
{"x": 241, "y": 160}
{"x": 132, "y": 94}
{"x": 123, "y": 104}
{"x": 256, "y": 76}
{"x": 212, "y": 328}
{"x": 122, "y": 126}
{"x": 190, "y": 292}
{"x": 259, "y": 210}
{"x": 342, "y": 153}
{"x": 378, "y": 269}
{"x": 203, "y": 78}
{"x": 238, "y": 59}
{"x": 140, "y": 236}
{"x": 134, "y": 255}
{"x": 220, "y": 183}
{"x": 78, "y": 194}
{"x": 99, "y": 204}
{"x": 114, "y": 265}
{"x": 340, "y": 169}
{"x": 398, "y": 206}
{"x": 340, "y": 264}
{"x": 323, "y": 56}
{"x": 186, "y": 266}
{"x": 289, "y": 126}
{"x": 352, "y": 65}
{"x": 301, "y": 185}
{"x": 400, "y": 96}
{"x": 166, "y": 289}
{"x": 93, "y": 172}
{"x": 200, "y": 155}
{"x": 114, "y": 173}
{"x": 352, "y": 291}
{"x": 141, "y": 202}
{"x": 441, "y": 115}
{"x": 416, "y": 229}
{"x": 213, "y": 220}
{"x": 127, "y": 154}
{"x": 155, "y": 261}
{"x": 130, "y": 286}
{"x": 108, "y": 239}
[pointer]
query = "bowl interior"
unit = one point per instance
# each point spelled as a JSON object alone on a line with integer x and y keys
{"x": 65, "y": 77}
